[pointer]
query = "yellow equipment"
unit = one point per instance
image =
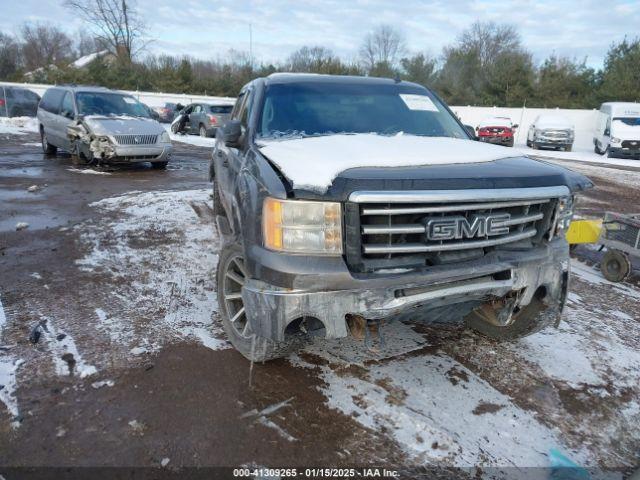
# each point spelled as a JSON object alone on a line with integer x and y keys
{"x": 584, "y": 231}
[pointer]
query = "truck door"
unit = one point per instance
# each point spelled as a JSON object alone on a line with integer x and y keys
{"x": 228, "y": 160}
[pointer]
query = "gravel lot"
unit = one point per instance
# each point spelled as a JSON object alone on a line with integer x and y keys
{"x": 132, "y": 368}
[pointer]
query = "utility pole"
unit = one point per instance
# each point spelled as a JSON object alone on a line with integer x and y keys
{"x": 251, "y": 45}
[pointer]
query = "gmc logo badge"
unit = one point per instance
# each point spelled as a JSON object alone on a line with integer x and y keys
{"x": 456, "y": 228}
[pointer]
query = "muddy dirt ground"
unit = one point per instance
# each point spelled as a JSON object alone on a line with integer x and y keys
{"x": 114, "y": 275}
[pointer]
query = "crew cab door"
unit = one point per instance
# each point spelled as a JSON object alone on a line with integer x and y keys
{"x": 228, "y": 160}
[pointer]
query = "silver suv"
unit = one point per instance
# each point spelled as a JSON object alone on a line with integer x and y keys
{"x": 101, "y": 126}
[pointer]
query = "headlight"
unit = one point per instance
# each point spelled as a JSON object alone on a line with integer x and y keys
{"x": 298, "y": 226}
{"x": 615, "y": 140}
{"x": 564, "y": 214}
{"x": 165, "y": 137}
{"x": 537, "y": 132}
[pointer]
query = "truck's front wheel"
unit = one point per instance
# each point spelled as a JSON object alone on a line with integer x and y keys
{"x": 525, "y": 322}
{"x": 231, "y": 277}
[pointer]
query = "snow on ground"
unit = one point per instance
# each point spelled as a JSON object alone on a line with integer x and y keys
{"x": 439, "y": 410}
{"x": 190, "y": 139}
{"x": 172, "y": 284}
{"x": 583, "y": 155}
{"x": 18, "y": 125}
{"x": 8, "y": 367}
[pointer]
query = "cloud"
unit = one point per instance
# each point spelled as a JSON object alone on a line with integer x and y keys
{"x": 201, "y": 28}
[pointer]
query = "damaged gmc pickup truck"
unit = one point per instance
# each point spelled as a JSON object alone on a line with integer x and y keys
{"x": 346, "y": 202}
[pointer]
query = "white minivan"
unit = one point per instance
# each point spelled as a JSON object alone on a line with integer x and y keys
{"x": 618, "y": 130}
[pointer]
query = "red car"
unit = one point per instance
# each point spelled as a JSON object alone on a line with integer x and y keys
{"x": 498, "y": 130}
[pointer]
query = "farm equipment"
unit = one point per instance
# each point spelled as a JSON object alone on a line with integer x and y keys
{"x": 620, "y": 234}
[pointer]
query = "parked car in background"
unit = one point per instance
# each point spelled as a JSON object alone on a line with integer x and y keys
{"x": 201, "y": 118}
{"x": 551, "y": 131}
{"x": 101, "y": 125}
{"x": 617, "y": 130}
{"x": 18, "y": 102}
{"x": 497, "y": 130}
{"x": 152, "y": 113}
{"x": 167, "y": 112}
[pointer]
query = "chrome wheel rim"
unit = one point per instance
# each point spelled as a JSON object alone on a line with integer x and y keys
{"x": 235, "y": 276}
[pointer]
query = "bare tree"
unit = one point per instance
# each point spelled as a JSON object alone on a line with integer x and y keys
{"x": 488, "y": 41}
{"x": 9, "y": 56}
{"x": 116, "y": 22}
{"x": 315, "y": 59}
{"x": 44, "y": 45}
{"x": 87, "y": 44}
{"x": 382, "y": 48}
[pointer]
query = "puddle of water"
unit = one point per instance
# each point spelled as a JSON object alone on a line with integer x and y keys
{"x": 36, "y": 222}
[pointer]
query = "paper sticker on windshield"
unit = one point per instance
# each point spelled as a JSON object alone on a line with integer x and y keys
{"x": 129, "y": 100}
{"x": 418, "y": 102}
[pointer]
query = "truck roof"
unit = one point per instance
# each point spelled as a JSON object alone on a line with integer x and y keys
{"x": 284, "y": 78}
{"x": 623, "y": 108}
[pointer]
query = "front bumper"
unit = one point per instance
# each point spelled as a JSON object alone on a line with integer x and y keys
{"x": 546, "y": 142}
{"x": 151, "y": 153}
{"x": 497, "y": 140}
{"x": 413, "y": 295}
{"x": 624, "y": 152}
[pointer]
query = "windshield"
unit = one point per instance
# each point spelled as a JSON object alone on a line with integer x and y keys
{"x": 631, "y": 121}
{"x": 90, "y": 103}
{"x": 326, "y": 108}
{"x": 220, "y": 108}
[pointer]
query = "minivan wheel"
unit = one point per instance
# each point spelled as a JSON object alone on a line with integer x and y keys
{"x": 47, "y": 148}
{"x": 231, "y": 277}
{"x": 203, "y": 131}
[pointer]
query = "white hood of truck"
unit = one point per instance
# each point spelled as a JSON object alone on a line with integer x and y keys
{"x": 625, "y": 132}
{"x": 312, "y": 163}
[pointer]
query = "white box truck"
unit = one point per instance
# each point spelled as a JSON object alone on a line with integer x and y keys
{"x": 617, "y": 131}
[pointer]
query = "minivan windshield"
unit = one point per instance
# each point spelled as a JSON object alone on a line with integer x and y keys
{"x": 321, "y": 108}
{"x": 631, "y": 121}
{"x": 98, "y": 103}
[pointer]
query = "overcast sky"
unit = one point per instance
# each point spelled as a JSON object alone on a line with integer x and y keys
{"x": 208, "y": 29}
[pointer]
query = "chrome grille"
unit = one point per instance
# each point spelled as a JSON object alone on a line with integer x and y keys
{"x": 136, "y": 139}
{"x": 559, "y": 134}
{"x": 397, "y": 228}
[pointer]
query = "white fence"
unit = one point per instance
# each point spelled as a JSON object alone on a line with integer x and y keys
{"x": 584, "y": 120}
{"x": 153, "y": 99}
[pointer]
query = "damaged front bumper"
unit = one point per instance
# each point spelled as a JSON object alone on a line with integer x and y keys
{"x": 151, "y": 153}
{"x": 415, "y": 295}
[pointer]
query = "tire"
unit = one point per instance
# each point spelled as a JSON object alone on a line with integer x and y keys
{"x": 528, "y": 143}
{"x": 230, "y": 277}
{"x": 47, "y": 148}
{"x": 568, "y": 148}
{"x": 615, "y": 266}
{"x": 203, "y": 131}
{"x": 534, "y": 145}
{"x": 159, "y": 165}
{"x": 526, "y": 322}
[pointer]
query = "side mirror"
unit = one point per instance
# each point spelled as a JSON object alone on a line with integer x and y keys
{"x": 515, "y": 126}
{"x": 607, "y": 132}
{"x": 67, "y": 114}
{"x": 471, "y": 131}
{"x": 231, "y": 133}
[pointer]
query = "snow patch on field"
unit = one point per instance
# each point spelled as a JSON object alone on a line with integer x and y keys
{"x": 191, "y": 139}
{"x": 161, "y": 257}
{"x": 66, "y": 357}
{"x": 8, "y": 369}
{"x": 588, "y": 274}
{"x": 18, "y": 125}
{"x": 439, "y": 411}
{"x": 8, "y": 383}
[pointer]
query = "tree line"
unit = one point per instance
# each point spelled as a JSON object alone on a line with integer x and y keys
{"x": 487, "y": 64}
